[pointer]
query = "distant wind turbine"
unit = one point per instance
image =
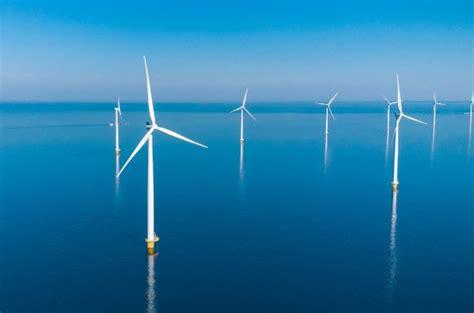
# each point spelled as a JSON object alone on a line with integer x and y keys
{"x": 400, "y": 116}
{"x": 433, "y": 132}
{"x": 151, "y": 236}
{"x": 242, "y": 108}
{"x": 328, "y": 110}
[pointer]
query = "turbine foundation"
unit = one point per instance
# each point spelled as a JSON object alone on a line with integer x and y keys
{"x": 150, "y": 245}
{"x": 394, "y": 186}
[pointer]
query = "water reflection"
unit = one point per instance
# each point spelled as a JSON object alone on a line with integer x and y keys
{"x": 393, "y": 247}
{"x": 325, "y": 154}
{"x": 241, "y": 173}
{"x": 469, "y": 143}
{"x": 241, "y": 169}
{"x": 150, "y": 292}
{"x": 433, "y": 137}
{"x": 117, "y": 170}
{"x": 387, "y": 142}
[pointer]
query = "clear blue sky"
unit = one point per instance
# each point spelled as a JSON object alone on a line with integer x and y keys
{"x": 211, "y": 50}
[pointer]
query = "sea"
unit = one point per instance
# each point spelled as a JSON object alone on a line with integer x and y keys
{"x": 288, "y": 221}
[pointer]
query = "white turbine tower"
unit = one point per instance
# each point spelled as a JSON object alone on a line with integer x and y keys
{"x": 433, "y": 132}
{"x": 242, "y": 108}
{"x": 400, "y": 116}
{"x": 328, "y": 110}
{"x": 151, "y": 236}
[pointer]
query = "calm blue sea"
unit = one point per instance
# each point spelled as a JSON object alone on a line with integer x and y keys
{"x": 289, "y": 228}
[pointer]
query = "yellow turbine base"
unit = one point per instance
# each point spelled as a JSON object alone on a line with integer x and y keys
{"x": 150, "y": 245}
{"x": 394, "y": 187}
{"x": 117, "y": 152}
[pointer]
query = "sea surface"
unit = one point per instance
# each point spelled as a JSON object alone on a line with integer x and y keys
{"x": 284, "y": 223}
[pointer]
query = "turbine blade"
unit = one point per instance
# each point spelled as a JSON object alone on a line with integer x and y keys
{"x": 178, "y": 136}
{"x": 235, "y": 110}
{"x": 332, "y": 99}
{"x": 139, "y": 146}
{"x": 245, "y": 109}
{"x": 245, "y": 98}
{"x": 321, "y": 103}
{"x": 413, "y": 119}
{"x": 388, "y": 102}
{"x": 118, "y": 107}
{"x": 399, "y": 98}
{"x": 151, "y": 110}
{"x": 395, "y": 130}
{"x": 330, "y": 111}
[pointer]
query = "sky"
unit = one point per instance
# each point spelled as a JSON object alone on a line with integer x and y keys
{"x": 210, "y": 51}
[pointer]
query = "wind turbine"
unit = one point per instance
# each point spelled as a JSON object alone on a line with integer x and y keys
{"x": 151, "y": 236}
{"x": 328, "y": 110}
{"x": 433, "y": 132}
{"x": 400, "y": 116}
{"x": 242, "y": 108}
{"x": 118, "y": 116}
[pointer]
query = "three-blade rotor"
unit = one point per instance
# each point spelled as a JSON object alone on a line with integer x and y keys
{"x": 243, "y": 108}
{"x": 328, "y": 105}
{"x": 436, "y": 101}
{"x": 400, "y": 107}
{"x": 154, "y": 126}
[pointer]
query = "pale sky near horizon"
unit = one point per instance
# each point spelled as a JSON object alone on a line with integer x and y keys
{"x": 211, "y": 50}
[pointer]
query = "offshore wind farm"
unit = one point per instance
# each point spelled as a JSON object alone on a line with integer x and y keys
{"x": 303, "y": 198}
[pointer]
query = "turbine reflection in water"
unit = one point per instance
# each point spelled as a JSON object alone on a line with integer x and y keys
{"x": 387, "y": 142}
{"x": 393, "y": 247}
{"x": 469, "y": 143}
{"x": 241, "y": 169}
{"x": 325, "y": 154}
{"x": 117, "y": 170}
{"x": 433, "y": 137}
{"x": 242, "y": 173}
{"x": 150, "y": 292}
